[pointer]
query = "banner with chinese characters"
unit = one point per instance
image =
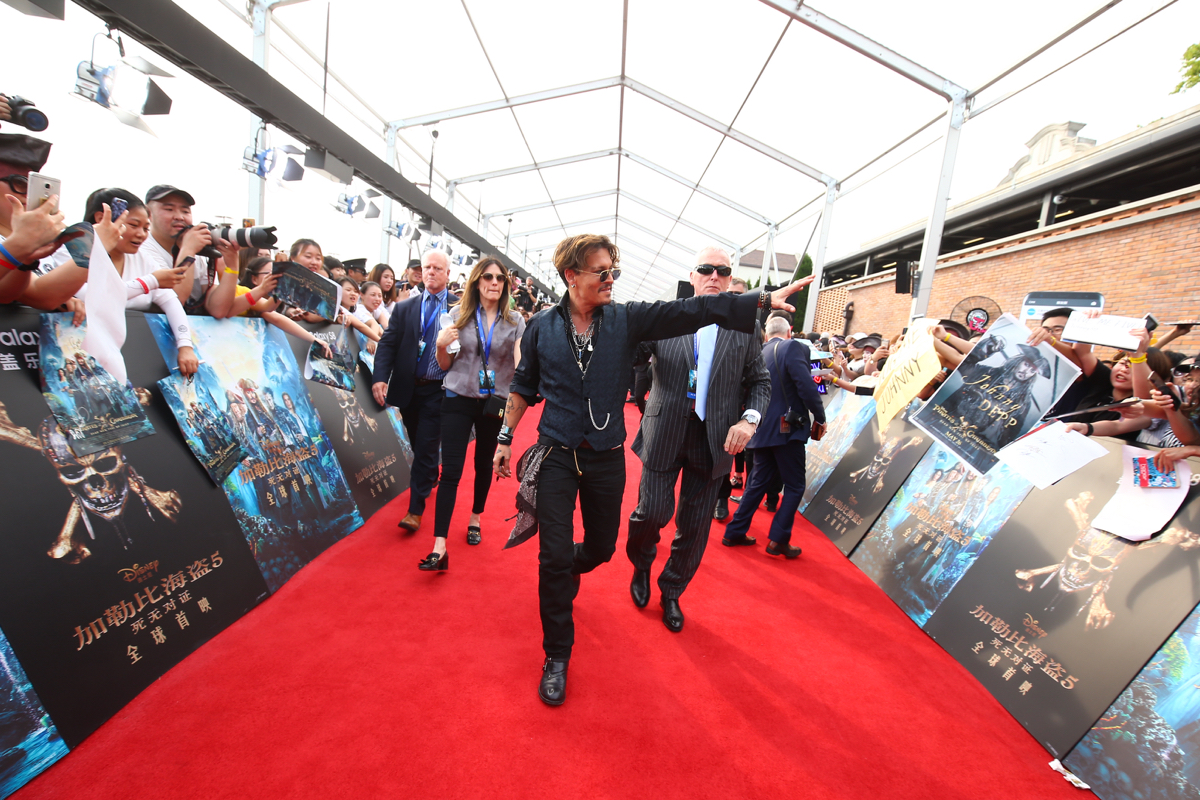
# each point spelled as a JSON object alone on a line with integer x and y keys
{"x": 997, "y": 394}
{"x": 1056, "y": 616}
{"x": 290, "y": 495}
{"x": 865, "y": 480}
{"x": 847, "y": 415}
{"x": 1146, "y": 745}
{"x": 114, "y": 565}
{"x": 29, "y": 741}
{"x": 934, "y": 528}
{"x": 96, "y": 411}
{"x": 363, "y": 435}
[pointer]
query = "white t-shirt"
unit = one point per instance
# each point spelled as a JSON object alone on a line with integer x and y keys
{"x": 164, "y": 260}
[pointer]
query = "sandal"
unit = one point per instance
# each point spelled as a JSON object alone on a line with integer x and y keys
{"x": 474, "y": 535}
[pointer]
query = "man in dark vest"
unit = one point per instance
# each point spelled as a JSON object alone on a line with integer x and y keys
{"x": 694, "y": 422}
{"x": 408, "y": 377}
{"x": 576, "y": 357}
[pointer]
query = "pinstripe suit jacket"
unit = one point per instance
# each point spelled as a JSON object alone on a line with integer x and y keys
{"x": 738, "y": 379}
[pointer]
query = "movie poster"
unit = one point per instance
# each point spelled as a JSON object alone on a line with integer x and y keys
{"x": 29, "y": 742}
{"x": 366, "y": 356}
{"x": 847, "y": 414}
{"x": 1056, "y": 617}
{"x": 193, "y": 401}
{"x": 997, "y": 394}
{"x": 934, "y": 529}
{"x": 864, "y": 481}
{"x": 115, "y": 565}
{"x": 1146, "y": 746}
{"x": 372, "y": 455}
{"x": 289, "y": 494}
{"x": 307, "y": 290}
{"x": 95, "y": 410}
{"x": 338, "y": 368}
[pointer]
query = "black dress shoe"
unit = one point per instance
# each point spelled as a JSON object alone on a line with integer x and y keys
{"x": 785, "y": 550}
{"x": 473, "y": 534}
{"x": 435, "y": 562}
{"x": 553, "y": 687}
{"x": 772, "y": 502}
{"x": 672, "y": 614}
{"x": 734, "y": 541}
{"x": 639, "y": 588}
{"x": 721, "y": 513}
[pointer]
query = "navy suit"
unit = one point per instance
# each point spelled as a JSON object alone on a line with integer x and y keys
{"x": 779, "y": 454}
{"x": 419, "y": 401}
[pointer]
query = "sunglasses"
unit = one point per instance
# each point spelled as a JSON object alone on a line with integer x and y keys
{"x": 603, "y": 274}
{"x": 18, "y": 183}
{"x": 708, "y": 269}
{"x": 493, "y": 277}
{"x": 1183, "y": 371}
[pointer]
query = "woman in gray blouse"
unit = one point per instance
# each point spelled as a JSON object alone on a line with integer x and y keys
{"x": 478, "y": 375}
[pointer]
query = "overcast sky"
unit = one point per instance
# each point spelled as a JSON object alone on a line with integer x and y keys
{"x": 738, "y": 61}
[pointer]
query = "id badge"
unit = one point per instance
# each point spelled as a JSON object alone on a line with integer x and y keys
{"x": 420, "y": 348}
{"x": 784, "y": 427}
{"x": 691, "y": 390}
{"x": 487, "y": 380}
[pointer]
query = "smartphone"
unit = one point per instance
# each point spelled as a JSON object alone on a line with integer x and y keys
{"x": 1183, "y": 322}
{"x": 41, "y": 187}
{"x": 1151, "y": 323}
{"x": 119, "y": 207}
{"x": 1169, "y": 389}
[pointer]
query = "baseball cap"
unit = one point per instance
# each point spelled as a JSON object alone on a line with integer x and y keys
{"x": 23, "y": 152}
{"x": 162, "y": 190}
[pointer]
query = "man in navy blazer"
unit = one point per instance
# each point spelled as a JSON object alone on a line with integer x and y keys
{"x": 408, "y": 377}
{"x": 779, "y": 442}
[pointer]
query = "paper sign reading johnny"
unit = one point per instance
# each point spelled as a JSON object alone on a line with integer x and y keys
{"x": 307, "y": 290}
{"x": 907, "y": 371}
{"x": 95, "y": 410}
{"x": 207, "y": 433}
{"x": 997, "y": 394}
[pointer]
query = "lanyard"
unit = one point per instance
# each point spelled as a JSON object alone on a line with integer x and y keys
{"x": 423, "y": 302}
{"x": 485, "y": 346}
{"x": 696, "y": 350}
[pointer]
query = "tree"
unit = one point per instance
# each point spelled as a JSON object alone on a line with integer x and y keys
{"x": 1190, "y": 69}
{"x": 800, "y": 298}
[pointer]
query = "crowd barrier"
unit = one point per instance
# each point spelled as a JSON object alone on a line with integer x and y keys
{"x": 115, "y": 566}
{"x": 1090, "y": 641}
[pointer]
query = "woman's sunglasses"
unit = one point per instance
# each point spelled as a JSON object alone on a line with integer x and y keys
{"x": 493, "y": 277}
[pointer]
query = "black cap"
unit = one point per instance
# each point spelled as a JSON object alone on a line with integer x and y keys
{"x": 416, "y": 262}
{"x": 24, "y": 152}
{"x": 162, "y": 190}
{"x": 355, "y": 265}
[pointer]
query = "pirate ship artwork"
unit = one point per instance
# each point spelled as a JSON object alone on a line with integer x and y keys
{"x": 997, "y": 394}
{"x": 1055, "y": 617}
{"x": 863, "y": 482}
{"x": 362, "y": 434}
{"x": 95, "y": 410}
{"x": 289, "y": 494}
{"x": 934, "y": 528}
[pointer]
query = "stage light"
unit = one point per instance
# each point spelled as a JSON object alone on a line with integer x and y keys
{"x": 124, "y": 88}
{"x": 329, "y": 166}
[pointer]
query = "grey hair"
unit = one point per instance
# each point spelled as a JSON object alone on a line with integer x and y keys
{"x": 777, "y": 326}
{"x": 712, "y": 248}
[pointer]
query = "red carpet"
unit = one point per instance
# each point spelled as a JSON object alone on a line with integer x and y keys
{"x": 364, "y": 678}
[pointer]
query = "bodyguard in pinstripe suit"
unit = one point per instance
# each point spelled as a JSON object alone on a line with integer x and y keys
{"x": 696, "y": 429}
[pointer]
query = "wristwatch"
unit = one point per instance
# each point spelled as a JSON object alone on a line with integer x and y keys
{"x": 752, "y": 417}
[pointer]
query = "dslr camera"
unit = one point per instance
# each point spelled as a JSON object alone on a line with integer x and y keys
{"x": 26, "y": 114}
{"x": 256, "y": 237}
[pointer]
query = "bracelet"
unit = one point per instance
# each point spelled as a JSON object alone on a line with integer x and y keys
{"x": 1138, "y": 359}
{"x": 504, "y": 439}
{"x": 7, "y": 256}
{"x": 947, "y": 339}
{"x": 145, "y": 288}
{"x": 764, "y": 300}
{"x": 1090, "y": 428}
{"x": 1053, "y": 340}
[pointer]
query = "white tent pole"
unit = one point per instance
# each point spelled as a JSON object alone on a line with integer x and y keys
{"x": 814, "y": 288}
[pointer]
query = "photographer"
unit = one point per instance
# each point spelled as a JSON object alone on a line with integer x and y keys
{"x": 175, "y": 242}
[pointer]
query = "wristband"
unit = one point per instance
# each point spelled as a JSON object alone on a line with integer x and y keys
{"x": 503, "y": 439}
{"x": 1053, "y": 340}
{"x": 947, "y": 339}
{"x": 145, "y": 288}
{"x": 1090, "y": 428}
{"x": 1138, "y": 359}
{"x": 764, "y": 300}
{"x": 7, "y": 256}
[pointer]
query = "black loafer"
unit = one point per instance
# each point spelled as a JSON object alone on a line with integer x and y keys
{"x": 474, "y": 536}
{"x": 434, "y": 562}
{"x": 553, "y": 687}
{"x": 772, "y": 503}
{"x": 672, "y": 614}
{"x": 735, "y": 541}
{"x": 721, "y": 512}
{"x": 639, "y": 587}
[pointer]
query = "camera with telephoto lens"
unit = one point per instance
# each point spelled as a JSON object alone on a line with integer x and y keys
{"x": 255, "y": 237}
{"x": 26, "y": 114}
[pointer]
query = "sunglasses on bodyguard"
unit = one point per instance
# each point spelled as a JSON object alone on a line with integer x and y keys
{"x": 708, "y": 269}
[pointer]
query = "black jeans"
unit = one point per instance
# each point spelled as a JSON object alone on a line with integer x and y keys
{"x": 600, "y": 489}
{"x": 459, "y": 414}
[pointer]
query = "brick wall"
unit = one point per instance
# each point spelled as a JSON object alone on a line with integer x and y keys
{"x": 1151, "y": 266}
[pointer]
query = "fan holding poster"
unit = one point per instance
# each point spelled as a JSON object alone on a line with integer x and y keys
{"x": 997, "y": 394}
